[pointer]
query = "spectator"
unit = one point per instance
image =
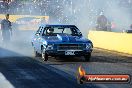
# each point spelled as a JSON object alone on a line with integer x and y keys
{"x": 102, "y": 23}
{"x": 6, "y": 29}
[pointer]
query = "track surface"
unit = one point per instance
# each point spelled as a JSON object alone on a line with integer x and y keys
{"x": 19, "y": 68}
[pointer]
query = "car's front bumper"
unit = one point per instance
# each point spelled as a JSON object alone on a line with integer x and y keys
{"x": 62, "y": 53}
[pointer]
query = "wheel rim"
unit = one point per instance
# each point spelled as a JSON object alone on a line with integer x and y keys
{"x": 43, "y": 54}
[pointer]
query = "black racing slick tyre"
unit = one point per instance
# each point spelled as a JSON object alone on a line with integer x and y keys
{"x": 44, "y": 55}
{"x": 87, "y": 57}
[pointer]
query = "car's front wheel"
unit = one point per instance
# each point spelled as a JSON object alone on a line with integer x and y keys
{"x": 87, "y": 57}
{"x": 44, "y": 55}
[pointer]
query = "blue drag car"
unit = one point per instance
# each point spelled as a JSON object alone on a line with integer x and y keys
{"x": 61, "y": 40}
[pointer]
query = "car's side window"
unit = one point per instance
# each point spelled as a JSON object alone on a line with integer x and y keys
{"x": 44, "y": 31}
{"x": 38, "y": 31}
{"x": 41, "y": 32}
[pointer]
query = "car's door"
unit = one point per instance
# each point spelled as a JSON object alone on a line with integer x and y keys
{"x": 37, "y": 38}
{"x": 40, "y": 39}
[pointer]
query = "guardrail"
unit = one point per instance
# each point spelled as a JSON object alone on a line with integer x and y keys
{"x": 120, "y": 42}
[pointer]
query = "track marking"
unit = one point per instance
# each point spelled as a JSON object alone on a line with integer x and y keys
{"x": 4, "y": 83}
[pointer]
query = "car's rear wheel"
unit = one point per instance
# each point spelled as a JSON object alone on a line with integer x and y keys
{"x": 44, "y": 55}
{"x": 36, "y": 54}
{"x": 87, "y": 57}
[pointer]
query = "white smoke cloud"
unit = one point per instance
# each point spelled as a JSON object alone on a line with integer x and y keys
{"x": 87, "y": 11}
{"x": 82, "y": 13}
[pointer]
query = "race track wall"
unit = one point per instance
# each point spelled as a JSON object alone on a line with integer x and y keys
{"x": 27, "y": 26}
{"x": 120, "y": 42}
{"x": 13, "y": 18}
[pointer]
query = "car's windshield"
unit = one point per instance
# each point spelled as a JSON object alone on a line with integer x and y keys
{"x": 74, "y": 31}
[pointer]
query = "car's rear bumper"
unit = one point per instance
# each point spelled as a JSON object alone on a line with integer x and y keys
{"x": 63, "y": 53}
